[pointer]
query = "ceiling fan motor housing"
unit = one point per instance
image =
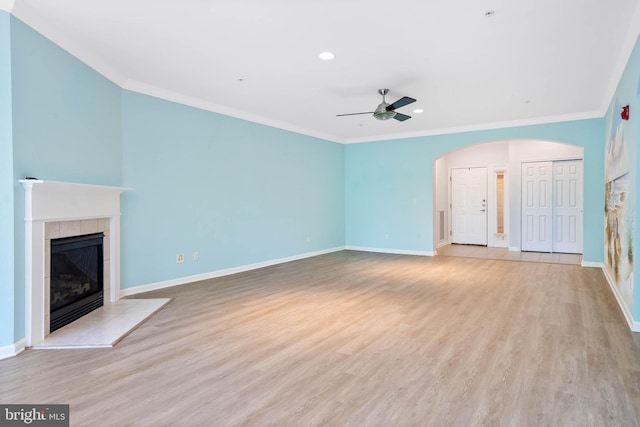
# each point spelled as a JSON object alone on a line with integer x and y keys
{"x": 381, "y": 112}
{"x": 386, "y": 111}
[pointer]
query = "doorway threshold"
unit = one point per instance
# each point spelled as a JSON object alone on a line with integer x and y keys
{"x": 473, "y": 251}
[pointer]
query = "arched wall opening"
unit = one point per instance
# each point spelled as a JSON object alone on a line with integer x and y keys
{"x": 501, "y": 159}
{"x": 390, "y": 185}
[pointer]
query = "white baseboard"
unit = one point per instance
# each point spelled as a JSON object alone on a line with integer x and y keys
{"x": 633, "y": 324}
{"x": 443, "y": 243}
{"x": 391, "y": 251}
{"x": 219, "y": 273}
{"x": 13, "y": 349}
{"x": 593, "y": 264}
{"x": 514, "y": 249}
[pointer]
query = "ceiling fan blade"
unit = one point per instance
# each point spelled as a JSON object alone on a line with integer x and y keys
{"x": 353, "y": 114}
{"x": 405, "y": 100}
{"x": 401, "y": 117}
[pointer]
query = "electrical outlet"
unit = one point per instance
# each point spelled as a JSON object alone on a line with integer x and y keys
{"x": 196, "y": 256}
{"x": 180, "y": 258}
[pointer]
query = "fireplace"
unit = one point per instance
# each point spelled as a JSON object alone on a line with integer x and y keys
{"x": 63, "y": 209}
{"x": 76, "y": 278}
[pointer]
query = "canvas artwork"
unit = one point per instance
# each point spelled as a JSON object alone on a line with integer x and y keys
{"x": 619, "y": 211}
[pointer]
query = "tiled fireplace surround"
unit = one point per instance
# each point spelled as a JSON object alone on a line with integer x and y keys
{"x": 61, "y": 209}
{"x": 60, "y": 229}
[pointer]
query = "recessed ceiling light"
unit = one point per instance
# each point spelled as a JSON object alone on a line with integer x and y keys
{"x": 527, "y": 101}
{"x": 326, "y": 56}
{"x": 418, "y": 110}
{"x": 489, "y": 13}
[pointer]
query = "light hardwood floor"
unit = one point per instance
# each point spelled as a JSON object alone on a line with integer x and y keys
{"x": 485, "y": 252}
{"x": 358, "y": 339}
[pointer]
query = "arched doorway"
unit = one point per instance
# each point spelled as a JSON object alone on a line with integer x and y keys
{"x": 502, "y": 161}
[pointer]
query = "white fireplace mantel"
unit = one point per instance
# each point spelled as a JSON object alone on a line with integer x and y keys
{"x": 48, "y": 201}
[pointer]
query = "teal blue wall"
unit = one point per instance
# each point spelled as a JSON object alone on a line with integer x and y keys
{"x": 6, "y": 187}
{"x": 67, "y": 118}
{"x": 383, "y": 178}
{"x": 235, "y": 191}
{"x": 627, "y": 93}
{"x": 66, "y": 127}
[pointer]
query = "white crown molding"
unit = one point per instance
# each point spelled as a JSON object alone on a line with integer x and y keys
{"x": 6, "y": 5}
{"x": 91, "y": 58}
{"x": 146, "y": 89}
{"x": 72, "y": 45}
{"x": 485, "y": 126}
{"x": 219, "y": 273}
{"x": 625, "y": 53}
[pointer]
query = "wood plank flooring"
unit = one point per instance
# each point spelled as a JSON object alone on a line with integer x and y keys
{"x": 358, "y": 339}
{"x": 486, "y": 252}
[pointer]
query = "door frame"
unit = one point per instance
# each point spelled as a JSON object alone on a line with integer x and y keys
{"x": 493, "y": 240}
{"x": 552, "y": 160}
{"x": 450, "y": 193}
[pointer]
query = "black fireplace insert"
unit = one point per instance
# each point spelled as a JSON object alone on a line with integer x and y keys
{"x": 77, "y": 276}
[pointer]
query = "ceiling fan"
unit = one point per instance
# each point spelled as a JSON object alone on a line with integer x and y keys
{"x": 386, "y": 111}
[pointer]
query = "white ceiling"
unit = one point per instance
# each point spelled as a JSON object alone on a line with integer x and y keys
{"x": 533, "y": 61}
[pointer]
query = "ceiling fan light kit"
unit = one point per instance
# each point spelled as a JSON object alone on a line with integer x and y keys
{"x": 386, "y": 111}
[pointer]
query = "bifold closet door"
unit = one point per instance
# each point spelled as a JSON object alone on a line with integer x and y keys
{"x": 537, "y": 184}
{"x": 567, "y": 206}
{"x": 552, "y": 197}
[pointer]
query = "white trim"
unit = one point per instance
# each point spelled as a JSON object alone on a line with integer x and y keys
{"x": 633, "y": 325}
{"x": 391, "y": 251}
{"x": 92, "y": 59}
{"x": 626, "y": 49}
{"x": 443, "y": 243}
{"x": 77, "y": 47}
{"x": 13, "y": 349}
{"x": 7, "y": 6}
{"x": 592, "y": 264}
{"x": 146, "y": 89}
{"x": 484, "y": 126}
{"x": 514, "y": 249}
{"x": 219, "y": 273}
{"x": 50, "y": 201}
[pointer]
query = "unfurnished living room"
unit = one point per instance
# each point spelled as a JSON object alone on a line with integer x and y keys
{"x": 293, "y": 213}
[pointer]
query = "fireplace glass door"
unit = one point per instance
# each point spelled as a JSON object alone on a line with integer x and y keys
{"x": 77, "y": 277}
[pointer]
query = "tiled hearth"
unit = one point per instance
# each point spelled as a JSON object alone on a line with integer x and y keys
{"x": 62, "y": 209}
{"x": 105, "y": 326}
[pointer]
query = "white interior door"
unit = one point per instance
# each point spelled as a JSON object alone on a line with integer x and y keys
{"x": 469, "y": 206}
{"x": 537, "y": 206}
{"x": 567, "y": 206}
{"x": 552, "y": 196}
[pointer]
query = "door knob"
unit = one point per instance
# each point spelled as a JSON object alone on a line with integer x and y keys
{"x": 482, "y": 210}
